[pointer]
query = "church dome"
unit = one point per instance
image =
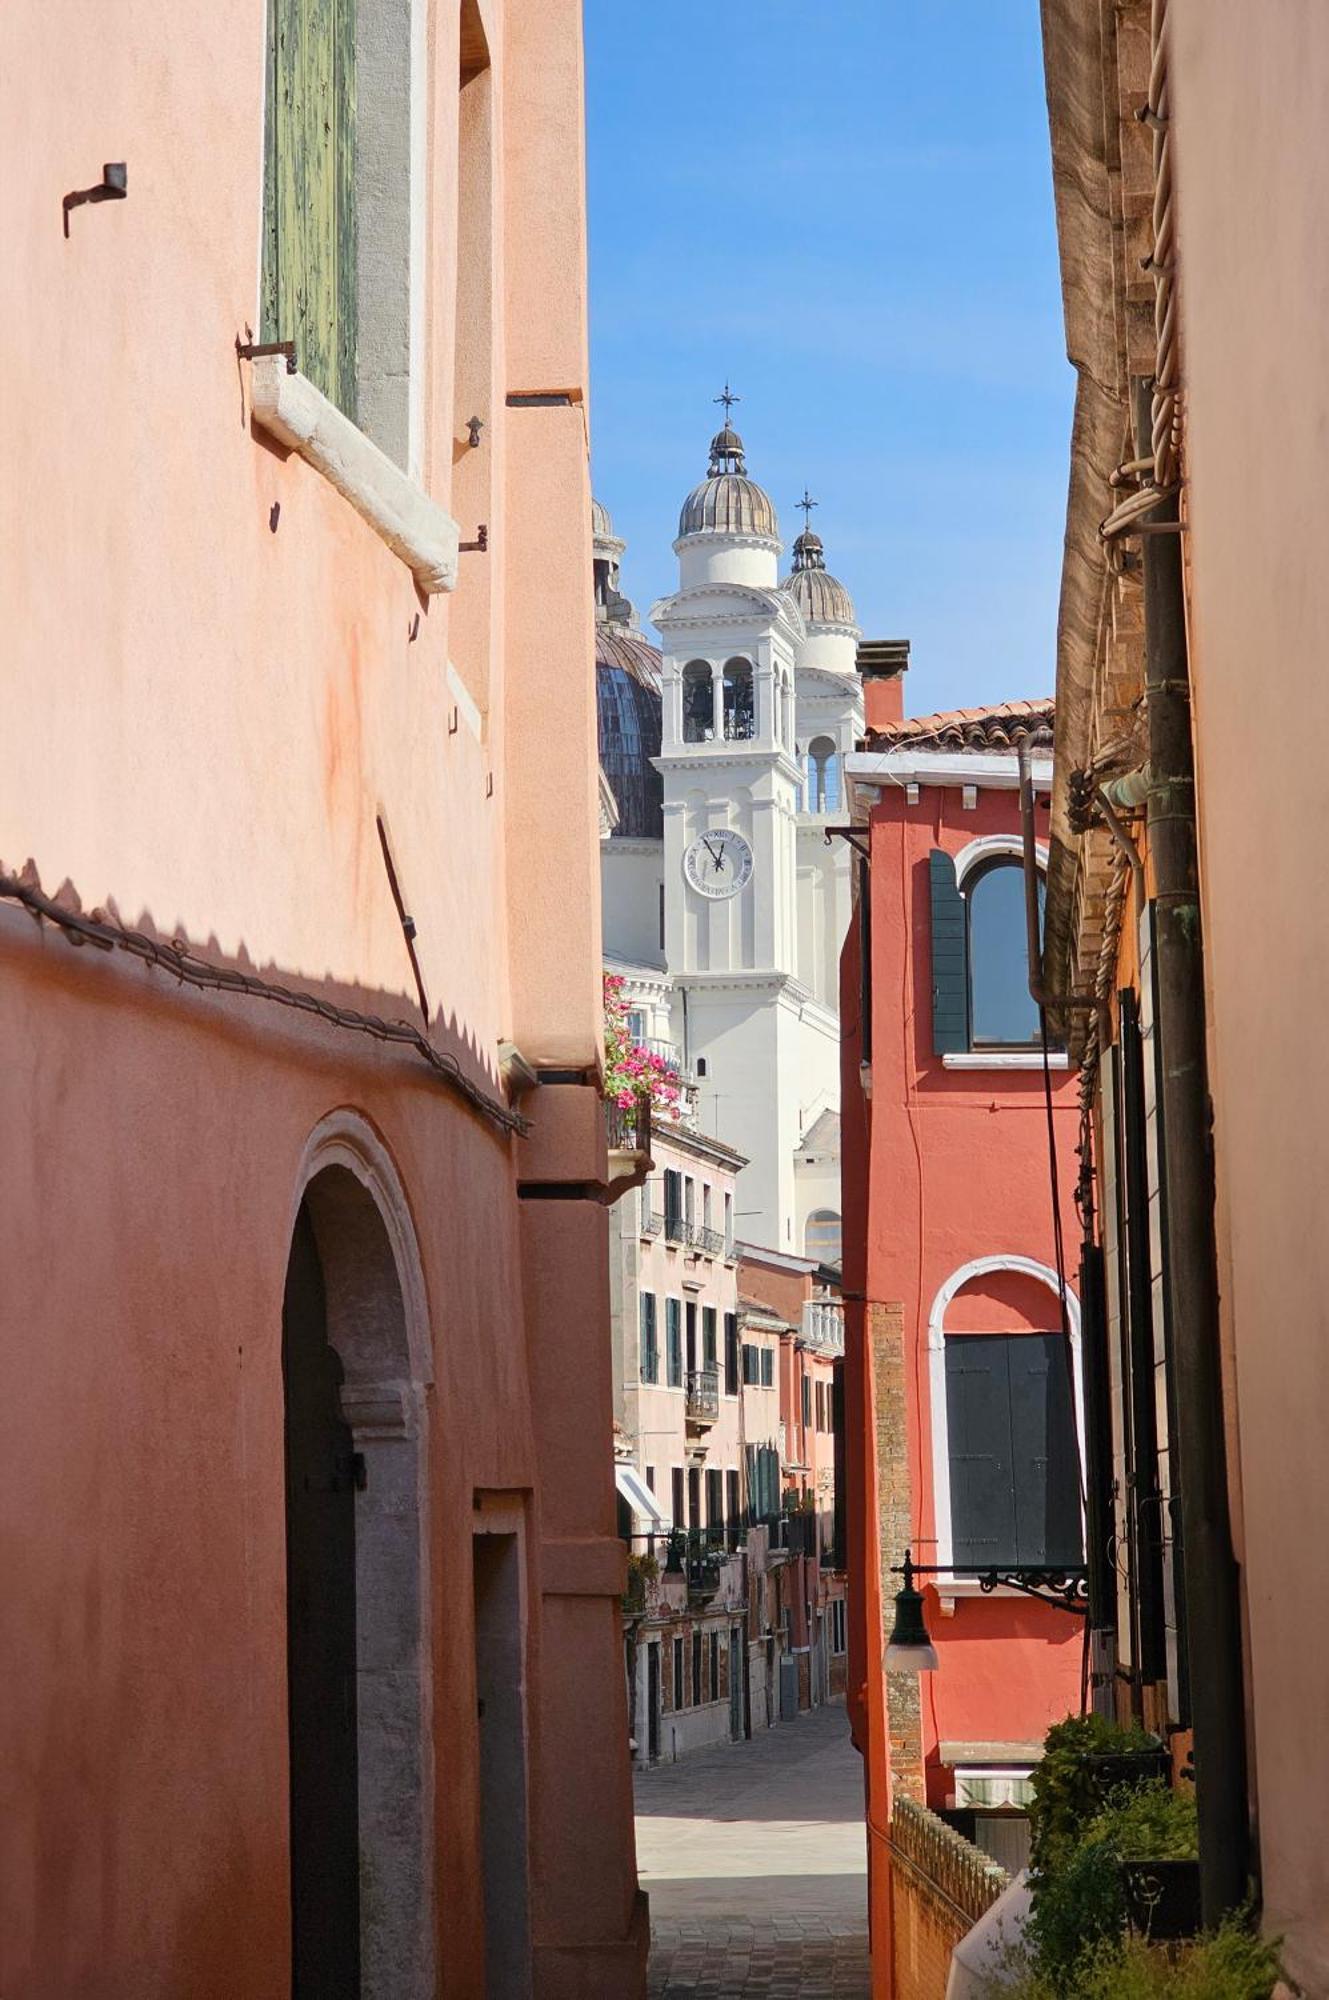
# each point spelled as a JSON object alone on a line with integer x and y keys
{"x": 821, "y": 597}
{"x": 727, "y": 502}
{"x": 629, "y": 714}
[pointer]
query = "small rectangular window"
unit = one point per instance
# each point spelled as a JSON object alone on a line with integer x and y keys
{"x": 650, "y": 1357}
{"x": 731, "y": 1354}
{"x": 650, "y": 1477}
{"x": 674, "y": 1343}
{"x": 807, "y": 1402}
{"x": 767, "y": 1367}
{"x": 680, "y": 1689}
{"x": 696, "y": 1670}
{"x": 714, "y": 1497}
{"x": 679, "y": 1497}
{"x": 733, "y": 1501}
{"x": 708, "y": 1353}
{"x": 751, "y": 1364}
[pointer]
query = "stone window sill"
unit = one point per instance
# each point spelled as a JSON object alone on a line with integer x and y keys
{"x": 1005, "y": 1059}
{"x": 298, "y": 415}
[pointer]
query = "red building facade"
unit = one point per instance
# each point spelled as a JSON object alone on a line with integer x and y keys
{"x": 961, "y": 1370}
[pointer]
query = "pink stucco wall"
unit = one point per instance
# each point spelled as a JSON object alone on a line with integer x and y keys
{"x": 216, "y": 676}
{"x": 1252, "y": 219}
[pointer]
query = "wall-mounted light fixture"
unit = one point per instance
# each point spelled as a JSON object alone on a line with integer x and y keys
{"x": 910, "y": 1649}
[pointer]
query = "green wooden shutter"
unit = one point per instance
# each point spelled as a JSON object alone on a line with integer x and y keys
{"x": 309, "y": 236}
{"x": 950, "y": 958}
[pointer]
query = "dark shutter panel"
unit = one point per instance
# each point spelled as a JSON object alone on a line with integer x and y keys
{"x": 950, "y": 958}
{"x": 1047, "y": 1481}
{"x": 309, "y": 231}
{"x": 978, "y": 1420}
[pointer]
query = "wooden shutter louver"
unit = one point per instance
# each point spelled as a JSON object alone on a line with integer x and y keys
{"x": 309, "y": 224}
{"x": 950, "y": 958}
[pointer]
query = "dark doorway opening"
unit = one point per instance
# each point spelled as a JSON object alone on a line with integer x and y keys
{"x": 321, "y": 1469}
{"x": 653, "y": 1703}
{"x": 500, "y": 1694}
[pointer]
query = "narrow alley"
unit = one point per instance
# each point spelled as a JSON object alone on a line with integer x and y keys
{"x": 753, "y": 1856}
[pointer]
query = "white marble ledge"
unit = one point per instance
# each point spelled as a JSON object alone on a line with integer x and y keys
{"x": 298, "y": 415}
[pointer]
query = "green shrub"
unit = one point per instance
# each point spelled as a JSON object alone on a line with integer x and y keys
{"x": 1228, "y": 1964}
{"x": 1068, "y": 1789}
{"x": 1079, "y": 1904}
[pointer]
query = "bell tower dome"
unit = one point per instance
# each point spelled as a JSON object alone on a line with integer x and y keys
{"x": 727, "y": 530}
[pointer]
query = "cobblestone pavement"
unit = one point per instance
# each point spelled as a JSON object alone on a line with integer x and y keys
{"x": 754, "y": 1858}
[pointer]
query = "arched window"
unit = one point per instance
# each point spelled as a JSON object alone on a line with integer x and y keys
{"x": 823, "y": 775}
{"x": 821, "y": 1237}
{"x": 698, "y": 705}
{"x": 738, "y": 708}
{"x": 1002, "y": 1012}
{"x": 1006, "y": 1417}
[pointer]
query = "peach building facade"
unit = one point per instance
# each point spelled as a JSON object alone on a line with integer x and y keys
{"x": 306, "y": 1348}
{"x": 1188, "y": 144}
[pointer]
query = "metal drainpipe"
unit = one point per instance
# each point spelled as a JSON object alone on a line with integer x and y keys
{"x": 1209, "y": 1563}
{"x": 1094, "y": 1376}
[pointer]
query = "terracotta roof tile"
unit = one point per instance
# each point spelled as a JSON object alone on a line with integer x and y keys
{"x": 999, "y": 727}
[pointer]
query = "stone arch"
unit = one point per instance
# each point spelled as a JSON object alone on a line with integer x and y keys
{"x": 377, "y": 1323}
{"x": 698, "y": 702}
{"x": 739, "y": 701}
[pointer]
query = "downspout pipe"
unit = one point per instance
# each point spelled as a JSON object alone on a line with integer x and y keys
{"x": 1209, "y": 1562}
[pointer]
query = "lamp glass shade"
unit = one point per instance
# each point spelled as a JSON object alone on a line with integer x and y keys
{"x": 909, "y": 1649}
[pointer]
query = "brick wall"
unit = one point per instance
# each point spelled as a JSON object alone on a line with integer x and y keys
{"x": 885, "y": 1326}
{"x": 940, "y": 1886}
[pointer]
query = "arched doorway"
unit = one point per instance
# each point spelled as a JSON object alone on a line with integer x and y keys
{"x": 355, "y": 1372}
{"x": 321, "y": 1470}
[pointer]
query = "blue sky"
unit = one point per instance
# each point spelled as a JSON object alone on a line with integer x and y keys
{"x": 844, "y": 206}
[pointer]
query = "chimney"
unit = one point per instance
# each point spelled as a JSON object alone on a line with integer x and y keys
{"x": 882, "y": 664}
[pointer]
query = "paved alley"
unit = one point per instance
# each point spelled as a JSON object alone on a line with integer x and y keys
{"x": 753, "y": 1855}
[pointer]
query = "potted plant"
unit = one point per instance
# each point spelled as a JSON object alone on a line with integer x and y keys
{"x": 1085, "y": 1760}
{"x": 1154, "y": 1834}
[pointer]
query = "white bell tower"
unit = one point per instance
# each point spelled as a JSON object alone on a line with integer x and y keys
{"x": 732, "y": 792}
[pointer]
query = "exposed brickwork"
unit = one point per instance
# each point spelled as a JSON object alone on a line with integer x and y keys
{"x": 940, "y": 1886}
{"x": 885, "y": 1327}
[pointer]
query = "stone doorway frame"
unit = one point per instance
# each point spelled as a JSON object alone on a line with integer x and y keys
{"x": 378, "y": 1322}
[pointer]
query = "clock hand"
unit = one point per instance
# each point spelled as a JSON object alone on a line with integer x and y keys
{"x": 718, "y": 859}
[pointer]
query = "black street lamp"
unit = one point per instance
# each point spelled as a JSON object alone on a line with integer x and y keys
{"x": 910, "y": 1649}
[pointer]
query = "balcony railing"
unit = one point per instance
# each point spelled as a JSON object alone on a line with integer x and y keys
{"x": 652, "y": 1222}
{"x": 628, "y": 1126}
{"x": 823, "y": 1325}
{"x": 709, "y": 1241}
{"x": 676, "y": 1229}
{"x": 702, "y": 1396}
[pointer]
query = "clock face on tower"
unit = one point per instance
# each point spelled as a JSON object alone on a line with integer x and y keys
{"x": 718, "y": 863}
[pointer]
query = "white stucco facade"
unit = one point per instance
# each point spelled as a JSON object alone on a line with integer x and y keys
{"x": 744, "y": 902}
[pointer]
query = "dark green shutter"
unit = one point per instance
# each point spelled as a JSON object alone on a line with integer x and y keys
{"x": 950, "y": 958}
{"x": 309, "y": 246}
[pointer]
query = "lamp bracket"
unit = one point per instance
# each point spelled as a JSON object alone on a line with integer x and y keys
{"x": 1066, "y": 1588}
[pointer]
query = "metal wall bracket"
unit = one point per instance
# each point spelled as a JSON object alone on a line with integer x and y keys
{"x": 251, "y": 350}
{"x": 113, "y": 186}
{"x": 479, "y": 545}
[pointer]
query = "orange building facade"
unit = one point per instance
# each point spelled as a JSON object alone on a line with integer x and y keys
{"x": 312, "y": 1578}
{"x": 962, "y": 1394}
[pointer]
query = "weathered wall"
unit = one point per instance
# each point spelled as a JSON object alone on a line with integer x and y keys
{"x": 1252, "y": 218}
{"x": 216, "y": 677}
